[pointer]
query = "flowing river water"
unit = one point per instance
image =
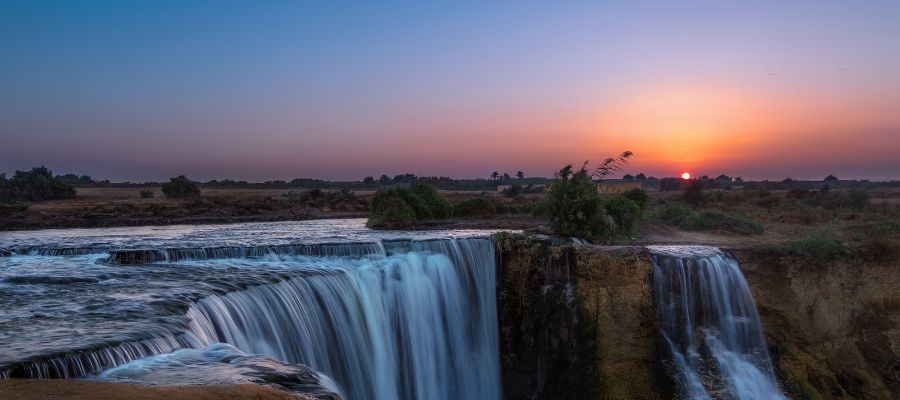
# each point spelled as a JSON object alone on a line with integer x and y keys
{"x": 325, "y": 308}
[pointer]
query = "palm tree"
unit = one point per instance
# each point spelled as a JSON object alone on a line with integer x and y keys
{"x": 495, "y": 175}
{"x": 520, "y": 175}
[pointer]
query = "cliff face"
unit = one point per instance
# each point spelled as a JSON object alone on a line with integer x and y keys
{"x": 577, "y": 322}
{"x": 833, "y": 327}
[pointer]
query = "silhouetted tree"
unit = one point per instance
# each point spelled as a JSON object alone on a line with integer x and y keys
{"x": 369, "y": 181}
{"x": 180, "y": 187}
{"x": 506, "y": 176}
{"x": 384, "y": 180}
{"x": 520, "y": 175}
{"x": 831, "y": 178}
{"x": 628, "y": 177}
{"x": 39, "y": 184}
{"x": 640, "y": 176}
{"x": 495, "y": 175}
{"x": 693, "y": 192}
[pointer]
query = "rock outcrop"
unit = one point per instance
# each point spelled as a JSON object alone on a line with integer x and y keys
{"x": 577, "y": 322}
{"x": 833, "y": 327}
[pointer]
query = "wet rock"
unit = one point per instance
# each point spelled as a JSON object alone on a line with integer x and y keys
{"x": 134, "y": 256}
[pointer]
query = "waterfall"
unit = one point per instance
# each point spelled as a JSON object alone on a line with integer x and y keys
{"x": 384, "y": 319}
{"x": 416, "y": 325}
{"x": 711, "y": 325}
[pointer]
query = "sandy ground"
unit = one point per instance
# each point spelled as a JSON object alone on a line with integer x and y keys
{"x": 48, "y": 389}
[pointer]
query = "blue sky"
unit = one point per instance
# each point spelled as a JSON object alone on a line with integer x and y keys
{"x": 134, "y": 90}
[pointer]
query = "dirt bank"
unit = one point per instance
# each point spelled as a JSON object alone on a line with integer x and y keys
{"x": 32, "y": 389}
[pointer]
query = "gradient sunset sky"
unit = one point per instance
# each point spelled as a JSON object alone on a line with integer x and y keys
{"x": 260, "y": 90}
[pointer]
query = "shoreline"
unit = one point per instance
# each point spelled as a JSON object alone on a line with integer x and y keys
{"x": 79, "y": 389}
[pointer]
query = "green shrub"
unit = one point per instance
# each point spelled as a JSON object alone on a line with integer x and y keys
{"x": 33, "y": 186}
{"x": 422, "y": 199}
{"x": 624, "y": 212}
{"x": 675, "y": 213}
{"x": 180, "y": 187}
{"x": 693, "y": 192}
{"x": 709, "y": 220}
{"x": 393, "y": 212}
{"x": 437, "y": 204}
{"x": 638, "y": 196}
{"x": 857, "y": 199}
{"x": 146, "y": 194}
{"x": 685, "y": 217}
{"x": 541, "y": 209}
{"x": 575, "y": 207}
{"x": 477, "y": 207}
{"x": 822, "y": 247}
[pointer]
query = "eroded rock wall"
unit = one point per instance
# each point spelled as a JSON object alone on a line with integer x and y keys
{"x": 833, "y": 326}
{"x": 577, "y": 322}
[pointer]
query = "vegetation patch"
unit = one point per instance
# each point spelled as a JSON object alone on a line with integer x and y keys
{"x": 576, "y": 209}
{"x": 180, "y": 187}
{"x": 402, "y": 207}
{"x": 33, "y": 186}
{"x": 685, "y": 217}
{"x": 477, "y": 207}
{"x": 822, "y": 247}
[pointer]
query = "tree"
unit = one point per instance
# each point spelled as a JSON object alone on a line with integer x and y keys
{"x": 628, "y": 177}
{"x": 369, "y": 181}
{"x": 39, "y": 184}
{"x": 640, "y": 176}
{"x": 495, "y": 175}
{"x": 384, "y": 180}
{"x": 520, "y": 175}
{"x": 506, "y": 176}
{"x": 831, "y": 178}
{"x": 693, "y": 192}
{"x": 180, "y": 187}
{"x": 576, "y": 208}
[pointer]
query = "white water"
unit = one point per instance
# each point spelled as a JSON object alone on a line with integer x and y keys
{"x": 711, "y": 324}
{"x": 419, "y": 325}
{"x": 380, "y": 315}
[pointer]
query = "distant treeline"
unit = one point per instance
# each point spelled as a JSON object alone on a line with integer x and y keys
{"x": 495, "y": 179}
{"x": 369, "y": 182}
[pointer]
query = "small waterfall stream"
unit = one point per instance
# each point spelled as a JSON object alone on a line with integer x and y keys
{"x": 711, "y": 324}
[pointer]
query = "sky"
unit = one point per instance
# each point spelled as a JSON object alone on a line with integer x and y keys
{"x": 261, "y": 90}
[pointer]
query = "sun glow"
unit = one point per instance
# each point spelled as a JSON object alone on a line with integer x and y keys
{"x": 685, "y": 176}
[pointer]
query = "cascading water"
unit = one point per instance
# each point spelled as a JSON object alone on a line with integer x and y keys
{"x": 383, "y": 316}
{"x": 416, "y": 325}
{"x": 711, "y": 325}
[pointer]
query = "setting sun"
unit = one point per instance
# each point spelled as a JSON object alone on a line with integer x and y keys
{"x": 685, "y": 176}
